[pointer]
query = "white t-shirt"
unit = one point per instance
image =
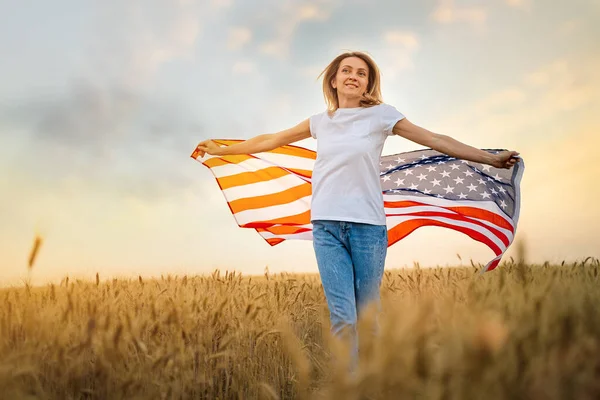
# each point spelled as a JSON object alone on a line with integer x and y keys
{"x": 345, "y": 178}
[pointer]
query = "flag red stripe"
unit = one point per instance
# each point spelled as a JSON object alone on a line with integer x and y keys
{"x": 236, "y": 159}
{"x": 403, "y": 229}
{"x": 298, "y": 219}
{"x": 246, "y": 178}
{"x": 225, "y": 160}
{"x": 499, "y": 234}
{"x": 273, "y": 199}
{"x": 274, "y": 241}
{"x": 302, "y": 172}
{"x": 493, "y": 265}
{"x": 486, "y": 224}
{"x": 284, "y": 230}
{"x": 464, "y": 210}
{"x": 287, "y": 149}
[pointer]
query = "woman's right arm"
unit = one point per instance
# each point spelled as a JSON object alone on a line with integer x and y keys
{"x": 258, "y": 143}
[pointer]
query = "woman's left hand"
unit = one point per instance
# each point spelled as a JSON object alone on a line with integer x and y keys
{"x": 505, "y": 159}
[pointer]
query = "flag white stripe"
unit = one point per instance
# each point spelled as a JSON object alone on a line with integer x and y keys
{"x": 305, "y": 226}
{"x": 484, "y": 205}
{"x": 308, "y": 235}
{"x": 394, "y": 217}
{"x": 415, "y": 209}
{"x": 256, "y": 164}
{"x": 393, "y": 221}
{"x": 250, "y": 165}
{"x": 273, "y": 212}
{"x": 263, "y": 188}
{"x": 506, "y": 232}
{"x": 302, "y": 205}
{"x": 412, "y": 209}
{"x": 487, "y": 266}
{"x": 288, "y": 161}
{"x": 520, "y": 166}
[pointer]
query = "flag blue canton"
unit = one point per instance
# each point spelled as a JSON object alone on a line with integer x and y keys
{"x": 431, "y": 173}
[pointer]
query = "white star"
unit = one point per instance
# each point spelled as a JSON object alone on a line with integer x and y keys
{"x": 485, "y": 167}
{"x": 503, "y": 204}
{"x": 439, "y": 196}
{"x": 386, "y": 178}
{"x": 481, "y": 181}
{"x": 435, "y": 182}
{"x": 497, "y": 177}
{"x": 493, "y": 191}
{"x": 400, "y": 160}
{"x": 445, "y": 174}
{"x": 423, "y": 157}
{"x": 399, "y": 182}
{"x": 421, "y": 177}
{"x": 426, "y": 191}
{"x": 408, "y": 172}
{"x": 441, "y": 162}
{"x": 458, "y": 180}
{"x": 449, "y": 189}
{"x": 485, "y": 195}
{"x": 413, "y": 186}
{"x": 389, "y": 167}
{"x": 455, "y": 166}
{"x": 431, "y": 168}
{"x": 471, "y": 187}
{"x": 502, "y": 190}
{"x": 462, "y": 196}
{"x": 468, "y": 173}
{"x": 464, "y": 162}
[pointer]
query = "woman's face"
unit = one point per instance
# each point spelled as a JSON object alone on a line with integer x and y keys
{"x": 352, "y": 77}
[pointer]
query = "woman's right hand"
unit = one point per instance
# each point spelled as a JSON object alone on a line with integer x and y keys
{"x": 208, "y": 147}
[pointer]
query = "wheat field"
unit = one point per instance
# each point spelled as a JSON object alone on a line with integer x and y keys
{"x": 519, "y": 332}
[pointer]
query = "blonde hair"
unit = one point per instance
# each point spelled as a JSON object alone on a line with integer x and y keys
{"x": 371, "y": 97}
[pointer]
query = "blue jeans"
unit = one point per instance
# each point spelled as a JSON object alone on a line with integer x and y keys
{"x": 351, "y": 259}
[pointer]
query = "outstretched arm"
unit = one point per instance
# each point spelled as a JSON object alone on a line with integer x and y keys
{"x": 452, "y": 147}
{"x": 260, "y": 143}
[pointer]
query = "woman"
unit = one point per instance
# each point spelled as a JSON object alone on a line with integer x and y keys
{"x": 347, "y": 211}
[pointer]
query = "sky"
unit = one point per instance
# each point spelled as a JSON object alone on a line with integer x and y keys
{"x": 102, "y": 103}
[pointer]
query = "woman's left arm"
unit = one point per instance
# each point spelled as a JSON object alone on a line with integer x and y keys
{"x": 452, "y": 147}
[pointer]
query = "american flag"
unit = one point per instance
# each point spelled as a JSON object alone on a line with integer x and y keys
{"x": 271, "y": 193}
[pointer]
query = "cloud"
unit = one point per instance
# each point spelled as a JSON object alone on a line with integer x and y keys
{"x": 106, "y": 129}
{"x": 154, "y": 34}
{"x": 522, "y": 4}
{"x": 567, "y": 84}
{"x": 570, "y": 27}
{"x": 104, "y": 106}
{"x": 238, "y": 37}
{"x": 404, "y": 39}
{"x": 288, "y": 18}
{"x": 108, "y": 140}
{"x": 447, "y": 12}
{"x": 537, "y": 101}
{"x": 310, "y": 71}
{"x": 221, "y": 3}
{"x": 243, "y": 67}
{"x": 400, "y": 47}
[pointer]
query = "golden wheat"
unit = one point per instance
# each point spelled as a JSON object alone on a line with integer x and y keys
{"x": 518, "y": 332}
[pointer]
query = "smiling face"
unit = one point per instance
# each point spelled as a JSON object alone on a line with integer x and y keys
{"x": 352, "y": 78}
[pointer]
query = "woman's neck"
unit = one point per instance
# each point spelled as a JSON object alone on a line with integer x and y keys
{"x": 345, "y": 102}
